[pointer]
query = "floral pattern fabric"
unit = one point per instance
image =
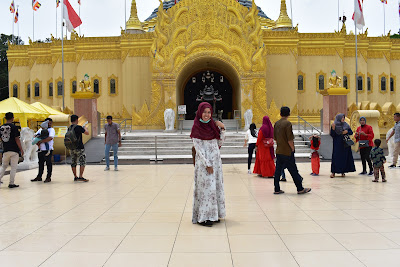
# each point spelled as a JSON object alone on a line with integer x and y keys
{"x": 209, "y": 196}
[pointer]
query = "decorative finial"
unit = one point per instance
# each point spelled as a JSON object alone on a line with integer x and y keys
{"x": 283, "y": 21}
{"x": 134, "y": 23}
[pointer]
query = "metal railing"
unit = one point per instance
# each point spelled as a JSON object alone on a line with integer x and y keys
{"x": 303, "y": 123}
{"x": 124, "y": 126}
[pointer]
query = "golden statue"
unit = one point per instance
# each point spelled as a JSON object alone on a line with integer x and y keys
{"x": 334, "y": 80}
{"x": 85, "y": 85}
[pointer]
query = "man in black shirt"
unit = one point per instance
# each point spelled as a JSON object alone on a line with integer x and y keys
{"x": 78, "y": 154}
{"x": 11, "y": 146}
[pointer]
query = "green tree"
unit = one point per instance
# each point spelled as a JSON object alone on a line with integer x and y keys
{"x": 4, "y": 39}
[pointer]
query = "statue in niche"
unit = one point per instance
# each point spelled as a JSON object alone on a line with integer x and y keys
{"x": 210, "y": 95}
{"x": 169, "y": 119}
{"x": 85, "y": 85}
{"x": 334, "y": 80}
{"x": 248, "y": 119}
{"x": 30, "y": 154}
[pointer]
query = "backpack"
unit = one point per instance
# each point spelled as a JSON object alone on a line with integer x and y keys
{"x": 70, "y": 140}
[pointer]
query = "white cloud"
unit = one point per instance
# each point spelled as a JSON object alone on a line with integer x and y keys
{"x": 105, "y": 17}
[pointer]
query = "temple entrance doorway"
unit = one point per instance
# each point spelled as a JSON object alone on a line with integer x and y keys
{"x": 209, "y": 86}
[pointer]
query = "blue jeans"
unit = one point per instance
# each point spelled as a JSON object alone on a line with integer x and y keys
{"x": 289, "y": 163}
{"x": 107, "y": 154}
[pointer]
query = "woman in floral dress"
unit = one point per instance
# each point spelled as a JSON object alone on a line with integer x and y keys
{"x": 209, "y": 198}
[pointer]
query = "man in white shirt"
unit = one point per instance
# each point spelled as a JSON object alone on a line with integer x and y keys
{"x": 44, "y": 156}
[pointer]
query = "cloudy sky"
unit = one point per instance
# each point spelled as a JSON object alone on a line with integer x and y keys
{"x": 105, "y": 17}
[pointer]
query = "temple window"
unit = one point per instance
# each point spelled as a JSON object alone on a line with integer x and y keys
{"x": 300, "y": 83}
{"x": 369, "y": 84}
{"x": 383, "y": 84}
{"x": 391, "y": 84}
{"x": 74, "y": 87}
{"x": 321, "y": 82}
{"x": 360, "y": 83}
{"x": 96, "y": 86}
{"x": 112, "y": 87}
{"x": 15, "y": 90}
{"x": 37, "y": 90}
{"x": 345, "y": 83}
{"x": 59, "y": 88}
{"x": 28, "y": 91}
{"x": 50, "y": 89}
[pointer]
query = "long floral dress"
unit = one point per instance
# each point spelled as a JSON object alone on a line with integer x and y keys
{"x": 209, "y": 196}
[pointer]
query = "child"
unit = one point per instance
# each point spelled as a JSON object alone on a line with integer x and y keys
{"x": 44, "y": 133}
{"x": 378, "y": 160}
{"x": 315, "y": 161}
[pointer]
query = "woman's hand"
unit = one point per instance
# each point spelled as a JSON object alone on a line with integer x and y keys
{"x": 333, "y": 126}
{"x": 210, "y": 170}
{"x": 345, "y": 132}
{"x": 220, "y": 124}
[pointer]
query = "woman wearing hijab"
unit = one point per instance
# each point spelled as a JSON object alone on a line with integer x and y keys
{"x": 251, "y": 140}
{"x": 364, "y": 136}
{"x": 209, "y": 198}
{"x": 265, "y": 166}
{"x": 342, "y": 156}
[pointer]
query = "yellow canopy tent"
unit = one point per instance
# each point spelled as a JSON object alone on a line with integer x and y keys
{"x": 47, "y": 109}
{"x": 22, "y": 111}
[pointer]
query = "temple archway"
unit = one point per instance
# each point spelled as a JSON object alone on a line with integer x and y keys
{"x": 207, "y": 72}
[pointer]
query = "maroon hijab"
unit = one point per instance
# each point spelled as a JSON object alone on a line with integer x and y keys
{"x": 204, "y": 131}
{"x": 268, "y": 132}
{"x": 266, "y": 128}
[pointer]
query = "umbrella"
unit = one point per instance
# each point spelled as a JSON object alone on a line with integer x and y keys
{"x": 22, "y": 110}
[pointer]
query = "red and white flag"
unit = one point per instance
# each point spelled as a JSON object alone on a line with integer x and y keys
{"x": 72, "y": 19}
{"x": 12, "y": 7}
{"x": 79, "y": 2}
{"x": 358, "y": 15}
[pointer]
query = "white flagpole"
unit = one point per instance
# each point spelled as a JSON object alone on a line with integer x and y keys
{"x": 125, "y": 14}
{"x": 79, "y": 16}
{"x": 356, "y": 66}
{"x": 62, "y": 53}
{"x": 33, "y": 24}
{"x": 384, "y": 19}
{"x": 13, "y": 16}
{"x": 338, "y": 16}
{"x": 291, "y": 12}
{"x": 18, "y": 27}
{"x": 56, "y": 20}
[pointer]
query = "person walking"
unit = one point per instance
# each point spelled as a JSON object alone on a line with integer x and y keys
{"x": 342, "y": 156}
{"x": 378, "y": 158}
{"x": 208, "y": 196}
{"x": 77, "y": 150}
{"x": 112, "y": 140}
{"x": 11, "y": 148}
{"x": 250, "y": 141}
{"x": 283, "y": 134}
{"x": 396, "y": 134}
{"x": 364, "y": 136}
{"x": 45, "y": 152}
{"x": 265, "y": 166}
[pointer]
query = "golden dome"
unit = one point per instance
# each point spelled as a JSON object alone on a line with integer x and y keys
{"x": 283, "y": 21}
{"x": 134, "y": 23}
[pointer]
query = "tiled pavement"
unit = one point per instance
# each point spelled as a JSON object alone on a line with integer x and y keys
{"x": 141, "y": 216}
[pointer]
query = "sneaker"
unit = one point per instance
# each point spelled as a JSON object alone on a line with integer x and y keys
{"x": 283, "y": 180}
{"x": 75, "y": 179}
{"x": 116, "y": 169}
{"x": 304, "y": 191}
{"x": 107, "y": 169}
{"x": 249, "y": 171}
{"x": 392, "y": 166}
{"x": 36, "y": 180}
{"x": 362, "y": 173}
{"x": 81, "y": 179}
{"x": 13, "y": 185}
{"x": 370, "y": 173}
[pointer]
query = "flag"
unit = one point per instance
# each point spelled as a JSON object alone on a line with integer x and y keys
{"x": 384, "y": 1}
{"x": 35, "y": 5}
{"x": 16, "y": 17}
{"x": 358, "y": 15}
{"x": 12, "y": 7}
{"x": 79, "y": 2}
{"x": 72, "y": 19}
{"x": 58, "y": 3}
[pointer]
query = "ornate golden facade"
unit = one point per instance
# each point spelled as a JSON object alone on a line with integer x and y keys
{"x": 151, "y": 61}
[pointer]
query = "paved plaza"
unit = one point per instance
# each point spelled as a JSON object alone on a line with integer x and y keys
{"x": 141, "y": 216}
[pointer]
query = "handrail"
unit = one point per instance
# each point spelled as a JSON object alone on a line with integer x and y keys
{"x": 305, "y": 126}
{"x": 122, "y": 125}
{"x": 124, "y": 122}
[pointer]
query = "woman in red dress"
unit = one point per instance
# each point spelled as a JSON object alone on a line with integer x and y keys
{"x": 265, "y": 165}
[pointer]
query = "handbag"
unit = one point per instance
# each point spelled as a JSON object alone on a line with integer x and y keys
{"x": 268, "y": 142}
{"x": 347, "y": 141}
{"x": 363, "y": 143}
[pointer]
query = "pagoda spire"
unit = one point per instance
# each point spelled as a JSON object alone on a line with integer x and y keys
{"x": 284, "y": 21}
{"x": 134, "y": 23}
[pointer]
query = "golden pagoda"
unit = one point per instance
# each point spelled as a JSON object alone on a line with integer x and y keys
{"x": 133, "y": 25}
{"x": 283, "y": 21}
